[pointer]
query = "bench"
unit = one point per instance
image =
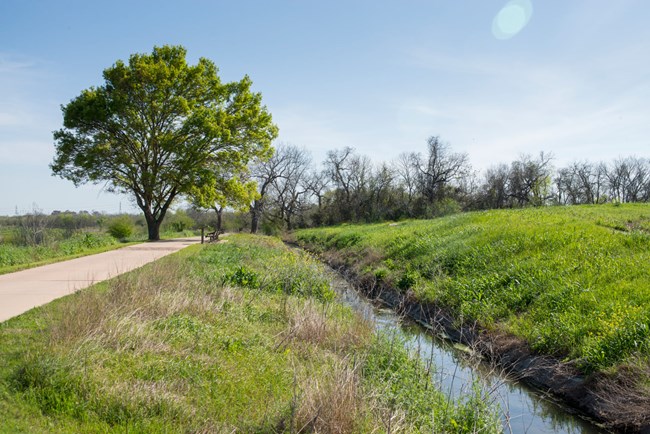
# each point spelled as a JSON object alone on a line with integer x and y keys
{"x": 214, "y": 236}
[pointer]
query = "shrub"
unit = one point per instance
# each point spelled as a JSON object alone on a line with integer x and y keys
{"x": 381, "y": 274}
{"x": 179, "y": 221}
{"x": 81, "y": 242}
{"x": 243, "y": 277}
{"x": 121, "y": 228}
{"x": 408, "y": 280}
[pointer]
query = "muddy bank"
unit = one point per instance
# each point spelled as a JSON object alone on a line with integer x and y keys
{"x": 610, "y": 401}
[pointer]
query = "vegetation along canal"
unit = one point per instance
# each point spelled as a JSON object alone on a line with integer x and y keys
{"x": 523, "y": 410}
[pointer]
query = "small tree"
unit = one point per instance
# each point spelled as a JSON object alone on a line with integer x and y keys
{"x": 233, "y": 190}
{"x": 33, "y": 227}
{"x": 121, "y": 228}
{"x": 158, "y": 128}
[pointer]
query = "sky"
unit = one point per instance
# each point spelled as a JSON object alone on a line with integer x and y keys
{"x": 493, "y": 78}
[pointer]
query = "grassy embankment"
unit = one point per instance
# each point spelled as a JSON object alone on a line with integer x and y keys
{"x": 573, "y": 282}
{"x": 239, "y": 336}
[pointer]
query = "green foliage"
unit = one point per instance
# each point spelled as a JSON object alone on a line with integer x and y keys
{"x": 14, "y": 255}
{"x": 159, "y": 128}
{"x": 408, "y": 280}
{"x": 405, "y": 385}
{"x": 271, "y": 228}
{"x": 269, "y": 267}
{"x": 78, "y": 243}
{"x": 230, "y": 189}
{"x": 178, "y": 221}
{"x": 572, "y": 281}
{"x": 50, "y": 385}
{"x": 381, "y": 273}
{"x": 85, "y": 241}
{"x": 243, "y": 277}
{"x": 121, "y": 228}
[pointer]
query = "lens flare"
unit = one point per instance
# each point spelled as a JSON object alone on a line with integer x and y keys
{"x": 512, "y": 18}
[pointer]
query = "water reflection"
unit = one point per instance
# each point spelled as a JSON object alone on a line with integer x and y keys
{"x": 523, "y": 410}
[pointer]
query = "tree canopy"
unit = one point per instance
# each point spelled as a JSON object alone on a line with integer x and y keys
{"x": 159, "y": 128}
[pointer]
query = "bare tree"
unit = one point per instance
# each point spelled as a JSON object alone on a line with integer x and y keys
{"x": 280, "y": 181}
{"x": 530, "y": 179}
{"x": 494, "y": 190}
{"x": 628, "y": 179}
{"x": 265, "y": 173}
{"x": 381, "y": 195}
{"x": 317, "y": 184}
{"x": 290, "y": 190}
{"x": 349, "y": 174}
{"x": 438, "y": 168}
{"x": 636, "y": 180}
{"x": 33, "y": 227}
{"x": 580, "y": 183}
{"x": 404, "y": 168}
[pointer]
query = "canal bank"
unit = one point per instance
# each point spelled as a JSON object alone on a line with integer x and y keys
{"x": 538, "y": 394}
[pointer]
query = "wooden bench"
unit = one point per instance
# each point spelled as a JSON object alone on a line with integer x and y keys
{"x": 214, "y": 236}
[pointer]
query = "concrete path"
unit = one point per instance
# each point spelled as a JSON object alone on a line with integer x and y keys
{"x": 26, "y": 289}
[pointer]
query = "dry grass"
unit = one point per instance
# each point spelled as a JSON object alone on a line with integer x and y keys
{"x": 312, "y": 323}
{"x": 625, "y": 392}
{"x": 333, "y": 403}
{"x": 130, "y": 302}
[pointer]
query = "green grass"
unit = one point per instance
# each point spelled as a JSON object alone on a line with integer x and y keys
{"x": 240, "y": 336}
{"x": 15, "y": 258}
{"x": 572, "y": 281}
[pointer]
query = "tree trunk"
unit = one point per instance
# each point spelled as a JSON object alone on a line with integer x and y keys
{"x": 219, "y": 211}
{"x": 255, "y": 220}
{"x": 153, "y": 228}
{"x": 256, "y": 214}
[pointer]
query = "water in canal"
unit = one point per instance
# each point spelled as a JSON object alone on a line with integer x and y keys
{"x": 523, "y": 409}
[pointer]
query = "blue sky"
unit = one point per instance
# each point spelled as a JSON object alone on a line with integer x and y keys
{"x": 380, "y": 76}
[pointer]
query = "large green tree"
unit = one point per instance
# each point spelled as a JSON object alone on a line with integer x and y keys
{"x": 159, "y": 128}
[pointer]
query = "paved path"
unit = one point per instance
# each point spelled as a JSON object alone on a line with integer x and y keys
{"x": 26, "y": 289}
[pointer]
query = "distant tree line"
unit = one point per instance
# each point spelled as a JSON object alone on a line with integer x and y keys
{"x": 349, "y": 187}
{"x": 162, "y": 130}
{"x": 35, "y": 228}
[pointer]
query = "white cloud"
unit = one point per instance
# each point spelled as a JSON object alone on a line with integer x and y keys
{"x": 317, "y": 130}
{"x": 508, "y": 107}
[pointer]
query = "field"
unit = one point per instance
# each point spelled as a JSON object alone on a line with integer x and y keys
{"x": 240, "y": 336}
{"x": 573, "y": 282}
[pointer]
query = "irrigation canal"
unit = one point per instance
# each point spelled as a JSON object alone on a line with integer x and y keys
{"x": 523, "y": 410}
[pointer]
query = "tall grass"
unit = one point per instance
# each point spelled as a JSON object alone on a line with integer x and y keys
{"x": 573, "y": 282}
{"x": 183, "y": 346}
{"x": 83, "y": 242}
